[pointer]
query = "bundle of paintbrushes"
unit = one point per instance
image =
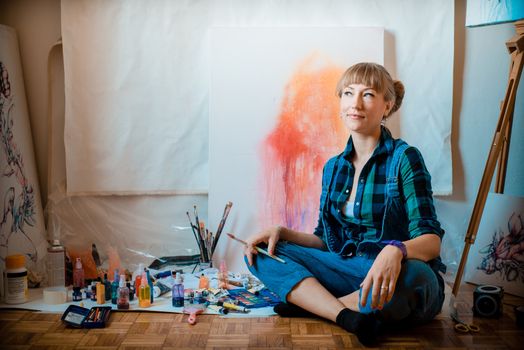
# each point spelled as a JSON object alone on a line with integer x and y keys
{"x": 206, "y": 240}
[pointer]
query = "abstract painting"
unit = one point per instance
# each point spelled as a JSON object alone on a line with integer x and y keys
{"x": 274, "y": 121}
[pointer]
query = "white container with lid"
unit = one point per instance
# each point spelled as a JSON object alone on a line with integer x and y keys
{"x": 16, "y": 291}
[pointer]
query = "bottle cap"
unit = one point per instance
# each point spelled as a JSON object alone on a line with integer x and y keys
{"x": 56, "y": 242}
{"x": 15, "y": 261}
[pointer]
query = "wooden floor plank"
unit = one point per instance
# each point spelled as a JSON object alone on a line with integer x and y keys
{"x": 148, "y": 330}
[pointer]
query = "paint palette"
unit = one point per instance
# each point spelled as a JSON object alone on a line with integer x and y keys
{"x": 264, "y": 298}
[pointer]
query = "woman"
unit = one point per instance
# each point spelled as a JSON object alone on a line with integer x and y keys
{"x": 374, "y": 256}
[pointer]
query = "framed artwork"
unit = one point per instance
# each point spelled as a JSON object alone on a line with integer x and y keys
{"x": 487, "y": 12}
{"x": 497, "y": 256}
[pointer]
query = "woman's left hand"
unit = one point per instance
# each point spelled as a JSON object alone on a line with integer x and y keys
{"x": 382, "y": 277}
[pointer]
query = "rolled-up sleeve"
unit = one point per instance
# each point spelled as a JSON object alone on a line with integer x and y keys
{"x": 418, "y": 196}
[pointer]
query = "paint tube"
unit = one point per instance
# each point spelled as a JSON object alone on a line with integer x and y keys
{"x": 160, "y": 289}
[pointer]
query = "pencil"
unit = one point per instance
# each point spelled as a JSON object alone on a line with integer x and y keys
{"x": 258, "y": 249}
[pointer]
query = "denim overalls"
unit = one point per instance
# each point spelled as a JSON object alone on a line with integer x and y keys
{"x": 341, "y": 268}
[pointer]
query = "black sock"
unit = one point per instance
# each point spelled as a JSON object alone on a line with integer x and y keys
{"x": 291, "y": 310}
{"x": 366, "y": 327}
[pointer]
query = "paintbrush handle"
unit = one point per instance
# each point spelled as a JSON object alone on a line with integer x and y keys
{"x": 258, "y": 249}
{"x": 265, "y": 252}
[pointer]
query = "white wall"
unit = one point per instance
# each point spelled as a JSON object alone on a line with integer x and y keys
{"x": 480, "y": 77}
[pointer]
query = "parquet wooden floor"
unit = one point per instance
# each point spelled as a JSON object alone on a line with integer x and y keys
{"x": 148, "y": 330}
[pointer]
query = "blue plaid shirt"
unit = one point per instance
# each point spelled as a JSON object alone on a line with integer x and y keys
{"x": 366, "y": 225}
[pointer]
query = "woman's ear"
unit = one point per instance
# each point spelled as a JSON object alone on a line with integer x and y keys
{"x": 389, "y": 107}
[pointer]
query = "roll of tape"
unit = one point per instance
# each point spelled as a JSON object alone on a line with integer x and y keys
{"x": 55, "y": 295}
{"x": 489, "y": 289}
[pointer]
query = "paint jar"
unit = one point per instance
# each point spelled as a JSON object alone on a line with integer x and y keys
{"x": 77, "y": 294}
{"x": 100, "y": 293}
{"x": 16, "y": 291}
{"x": 56, "y": 264}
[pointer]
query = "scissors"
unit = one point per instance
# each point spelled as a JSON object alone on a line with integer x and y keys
{"x": 463, "y": 327}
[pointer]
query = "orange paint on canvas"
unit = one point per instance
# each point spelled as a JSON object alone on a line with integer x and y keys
{"x": 308, "y": 131}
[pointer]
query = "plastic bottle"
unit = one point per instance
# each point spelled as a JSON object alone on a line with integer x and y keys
{"x": 77, "y": 294}
{"x": 16, "y": 291}
{"x": 107, "y": 287}
{"x": 132, "y": 291}
{"x": 78, "y": 274}
{"x": 93, "y": 291}
{"x": 56, "y": 264}
{"x": 123, "y": 294}
{"x": 100, "y": 293}
{"x": 203, "y": 282}
{"x": 150, "y": 282}
{"x": 222, "y": 275}
{"x": 114, "y": 288}
{"x": 138, "y": 284}
{"x": 177, "y": 292}
{"x": 144, "y": 294}
{"x": 138, "y": 277}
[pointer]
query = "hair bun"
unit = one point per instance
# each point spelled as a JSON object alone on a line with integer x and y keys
{"x": 399, "y": 95}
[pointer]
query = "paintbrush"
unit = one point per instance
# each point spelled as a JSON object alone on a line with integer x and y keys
{"x": 258, "y": 249}
{"x": 221, "y": 225}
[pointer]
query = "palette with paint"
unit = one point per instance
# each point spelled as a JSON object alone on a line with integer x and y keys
{"x": 245, "y": 298}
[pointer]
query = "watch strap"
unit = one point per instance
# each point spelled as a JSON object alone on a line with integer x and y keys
{"x": 399, "y": 245}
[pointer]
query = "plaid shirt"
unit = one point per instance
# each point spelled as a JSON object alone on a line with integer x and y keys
{"x": 415, "y": 191}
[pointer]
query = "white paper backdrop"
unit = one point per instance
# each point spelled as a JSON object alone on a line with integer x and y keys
{"x": 137, "y": 82}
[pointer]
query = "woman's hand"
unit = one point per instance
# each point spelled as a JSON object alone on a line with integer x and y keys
{"x": 269, "y": 236}
{"x": 382, "y": 277}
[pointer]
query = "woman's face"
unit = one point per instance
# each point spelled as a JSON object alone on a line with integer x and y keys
{"x": 362, "y": 109}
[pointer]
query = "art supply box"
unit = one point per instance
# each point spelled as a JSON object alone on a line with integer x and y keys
{"x": 80, "y": 317}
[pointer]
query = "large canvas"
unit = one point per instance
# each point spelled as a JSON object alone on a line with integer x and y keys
{"x": 22, "y": 229}
{"x": 274, "y": 120}
{"x": 497, "y": 256}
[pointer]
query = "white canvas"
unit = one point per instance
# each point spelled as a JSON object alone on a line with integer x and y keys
{"x": 497, "y": 256}
{"x": 22, "y": 228}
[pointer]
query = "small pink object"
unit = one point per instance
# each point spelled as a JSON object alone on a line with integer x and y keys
{"x": 193, "y": 312}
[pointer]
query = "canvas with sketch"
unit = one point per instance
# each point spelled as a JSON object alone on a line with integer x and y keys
{"x": 497, "y": 256}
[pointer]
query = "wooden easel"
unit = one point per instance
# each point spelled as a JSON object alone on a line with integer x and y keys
{"x": 499, "y": 148}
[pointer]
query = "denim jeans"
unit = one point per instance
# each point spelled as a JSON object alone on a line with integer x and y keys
{"x": 418, "y": 296}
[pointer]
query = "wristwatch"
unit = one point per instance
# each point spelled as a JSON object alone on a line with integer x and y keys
{"x": 400, "y": 246}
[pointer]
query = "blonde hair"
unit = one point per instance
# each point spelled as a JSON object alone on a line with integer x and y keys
{"x": 377, "y": 77}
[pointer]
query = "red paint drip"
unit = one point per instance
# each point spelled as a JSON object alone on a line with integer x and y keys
{"x": 308, "y": 131}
